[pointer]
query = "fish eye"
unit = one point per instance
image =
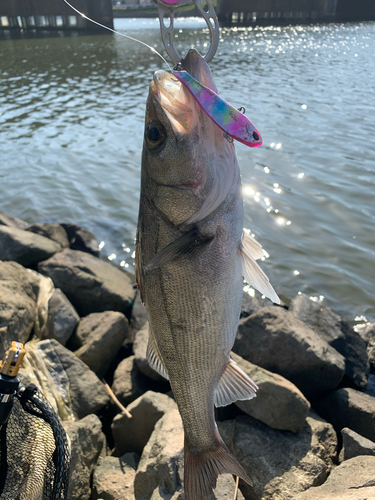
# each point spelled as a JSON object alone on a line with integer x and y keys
{"x": 155, "y": 134}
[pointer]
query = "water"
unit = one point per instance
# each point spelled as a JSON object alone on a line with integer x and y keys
{"x": 71, "y": 131}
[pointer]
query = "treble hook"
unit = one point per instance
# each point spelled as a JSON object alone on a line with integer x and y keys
{"x": 166, "y": 9}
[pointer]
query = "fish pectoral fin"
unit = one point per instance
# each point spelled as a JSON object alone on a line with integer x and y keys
{"x": 154, "y": 358}
{"x": 234, "y": 385}
{"x": 254, "y": 275}
{"x": 184, "y": 246}
{"x": 252, "y": 246}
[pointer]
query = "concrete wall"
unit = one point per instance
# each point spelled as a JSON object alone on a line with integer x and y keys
{"x": 44, "y": 14}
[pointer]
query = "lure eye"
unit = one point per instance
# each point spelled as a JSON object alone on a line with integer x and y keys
{"x": 256, "y": 135}
{"x": 155, "y": 134}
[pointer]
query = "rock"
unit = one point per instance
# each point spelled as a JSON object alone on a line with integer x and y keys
{"x": 24, "y": 247}
{"x": 102, "y": 335}
{"x": 81, "y": 239}
{"x": 11, "y": 221}
{"x": 252, "y": 303}
{"x": 90, "y": 284}
{"x": 352, "y": 480}
{"x": 128, "y": 382}
{"x": 132, "y": 434}
{"x": 114, "y": 478}
{"x": 138, "y": 319}
{"x": 54, "y": 232}
{"x": 278, "y": 403}
{"x": 370, "y": 389}
{"x": 353, "y": 444}
{"x": 350, "y": 408}
{"x": 62, "y": 317}
{"x": 140, "y": 349}
{"x": 88, "y": 394}
{"x": 17, "y": 304}
{"x": 87, "y": 441}
{"x": 281, "y": 463}
{"x": 366, "y": 331}
{"x": 337, "y": 332}
{"x": 274, "y": 339}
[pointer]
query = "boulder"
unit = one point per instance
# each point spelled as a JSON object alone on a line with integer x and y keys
{"x": 62, "y": 317}
{"x": 370, "y": 389}
{"x": 90, "y": 284}
{"x": 337, "y": 332}
{"x": 87, "y": 442}
{"x": 24, "y": 247}
{"x": 54, "y": 232}
{"x": 276, "y": 340}
{"x": 140, "y": 349}
{"x": 88, "y": 394}
{"x": 81, "y": 239}
{"x": 132, "y": 434}
{"x": 366, "y": 331}
{"x": 251, "y": 303}
{"x": 17, "y": 304}
{"x": 352, "y": 480}
{"x": 350, "y": 408}
{"x": 102, "y": 335}
{"x": 128, "y": 382}
{"x": 114, "y": 478}
{"x": 11, "y": 221}
{"x": 353, "y": 445}
{"x": 279, "y": 403}
{"x": 280, "y": 463}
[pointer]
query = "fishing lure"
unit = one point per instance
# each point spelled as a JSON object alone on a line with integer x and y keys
{"x": 231, "y": 120}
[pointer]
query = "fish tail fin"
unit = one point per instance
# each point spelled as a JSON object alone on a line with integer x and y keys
{"x": 203, "y": 467}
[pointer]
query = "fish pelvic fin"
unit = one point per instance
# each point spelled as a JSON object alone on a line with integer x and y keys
{"x": 252, "y": 273}
{"x": 234, "y": 385}
{"x": 203, "y": 467}
{"x": 153, "y": 356}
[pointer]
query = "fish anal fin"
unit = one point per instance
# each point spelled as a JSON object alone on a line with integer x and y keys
{"x": 234, "y": 385}
{"x": 154, "y": 358}
{"x": 203, "y": 467}
{"x": 254, "y": 275}
{"x": 182, "y": 247}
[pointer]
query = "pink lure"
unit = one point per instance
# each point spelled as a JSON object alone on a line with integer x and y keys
{"x": 226, "y": 116}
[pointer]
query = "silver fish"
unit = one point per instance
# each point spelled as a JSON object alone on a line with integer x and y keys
{"x": 191, "y": 255}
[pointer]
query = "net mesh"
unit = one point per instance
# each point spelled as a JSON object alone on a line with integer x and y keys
{"x": 34, "y": 451}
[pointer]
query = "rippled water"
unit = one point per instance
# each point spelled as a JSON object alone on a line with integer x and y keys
{"x": 71, "y": 131}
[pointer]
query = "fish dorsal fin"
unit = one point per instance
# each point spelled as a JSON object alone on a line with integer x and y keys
{"x": 234, "y": 385}
{"x": 253, "y": 274}
{"x": 153, "y": 356}
{"x": 185, "y": 245}
{"x": 252, "y": 246}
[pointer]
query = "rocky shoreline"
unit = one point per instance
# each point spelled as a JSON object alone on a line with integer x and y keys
{"x": 309, "y": 434}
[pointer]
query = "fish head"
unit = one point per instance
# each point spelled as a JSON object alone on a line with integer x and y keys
{"x": 184, "y": 152}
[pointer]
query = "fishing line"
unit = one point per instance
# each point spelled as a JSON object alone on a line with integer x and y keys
{"x": 121, "y": 34}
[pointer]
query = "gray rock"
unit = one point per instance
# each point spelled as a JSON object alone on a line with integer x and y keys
{"x": 353, "y": 444}
{"x": 114, "y": 478}
{"x": 280, "y": 463}
{"x": 128, "y": 381}
{"x": 90, "y": 284}
{"x": 337, "y": 332}
{"x": 54, "y": 232}
{"x": 251, "y": 304}
{"x": 62, "y": 317}
{"x": 132, "y": 434}
{"x": 24, "y": 247}
{"x": 140, "y": 349}
{"x": 88, "y": 394}
{"x": 352, "y": 480}
{"x": 137, "y": 320}
{"x": 81, "y": 239}
{"x": 11, "y": 221}
{"x": 350, "y": 408}
{"x": 278, "y": 403}
{"x": 366, "y": 331}
{"x": 276, "y": 340}
{"x": 87, "y": 442}
{"x": 102, "y": 335}
{"x": 17, "y": 304}
{"x": 370, "y": 389}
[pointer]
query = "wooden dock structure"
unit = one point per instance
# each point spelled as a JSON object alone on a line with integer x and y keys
{"x": 54, "y": 14}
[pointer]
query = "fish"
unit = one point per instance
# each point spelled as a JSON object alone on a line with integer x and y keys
{"x": 191, "y": 256}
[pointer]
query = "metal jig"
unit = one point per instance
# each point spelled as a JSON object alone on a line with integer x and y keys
{"x": 166, "y": 10}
